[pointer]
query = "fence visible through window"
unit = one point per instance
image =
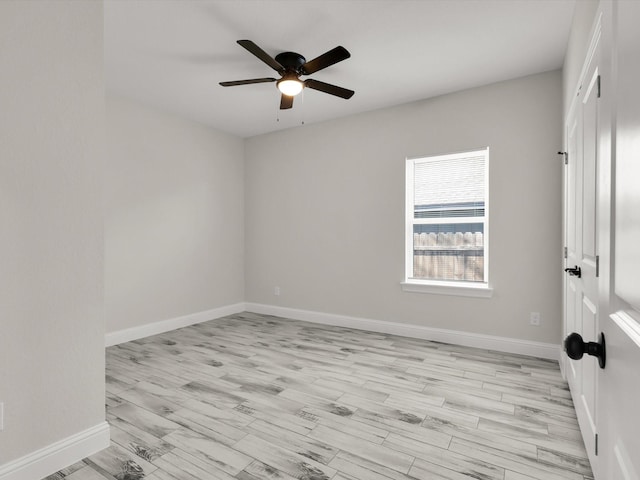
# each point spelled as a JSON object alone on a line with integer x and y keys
{"x": 449, "y": 256}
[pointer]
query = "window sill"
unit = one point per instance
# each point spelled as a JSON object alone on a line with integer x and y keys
{"x": 482, "y": 290}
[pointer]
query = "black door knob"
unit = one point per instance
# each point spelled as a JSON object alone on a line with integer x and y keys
{"x": 575, "y": 271}
{"x": 576, "y": 348}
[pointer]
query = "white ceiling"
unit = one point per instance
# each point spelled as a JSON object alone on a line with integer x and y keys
{"x": 171, "y": 54}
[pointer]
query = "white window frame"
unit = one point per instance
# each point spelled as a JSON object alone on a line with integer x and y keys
{"x": 444, "y": 287}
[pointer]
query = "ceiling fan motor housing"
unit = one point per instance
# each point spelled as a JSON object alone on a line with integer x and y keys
{"x": 291, "y": 61}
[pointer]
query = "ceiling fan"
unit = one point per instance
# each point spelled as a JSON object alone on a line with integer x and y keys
{"x": 291, "y": 66}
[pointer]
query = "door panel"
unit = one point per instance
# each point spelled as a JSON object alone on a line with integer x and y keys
{"x": 572, "y": 295}
{"x": 572, "y": 151}
{"x": 571, "y": 326}
{"x": 589, "y": 369}
{"x": 589, "y": 168}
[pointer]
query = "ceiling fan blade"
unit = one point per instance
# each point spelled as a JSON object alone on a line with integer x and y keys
{"x": 262, "y": 55}
{"x": 328, "y": 88}
{"x": 325, "y": 60}
{"x": 286, "y": 102}
{"x": 247, "y": 82}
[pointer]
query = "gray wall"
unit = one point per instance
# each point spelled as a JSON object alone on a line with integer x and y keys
{"x": 174, "y": 223}
{"x": 51, "y": 245}
{"x": 325, "y": 210}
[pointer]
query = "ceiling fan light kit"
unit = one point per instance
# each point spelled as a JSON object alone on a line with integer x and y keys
{"x": 290, "y": 85}
{"x": 291, "y": 66}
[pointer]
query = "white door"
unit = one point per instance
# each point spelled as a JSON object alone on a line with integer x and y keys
{"x": 620, "y": 380}
{"x": 581, "y": 290}
{"x": 603, "y": 198}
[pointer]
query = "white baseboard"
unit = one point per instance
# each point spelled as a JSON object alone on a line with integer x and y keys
{"x": 489, "y": 342}
{"x": 57, "y": 456}
{"x": 134, "y": 333}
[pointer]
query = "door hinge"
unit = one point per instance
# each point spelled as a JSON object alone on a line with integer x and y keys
{"x": 598, "y": 80}
{"x": 597, "y": 265}
{"x": 566, "y": 253}
{"x": 566, "y": 157}
{"x": 596, "y": 444}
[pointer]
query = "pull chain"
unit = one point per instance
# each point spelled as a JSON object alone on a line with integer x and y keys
{"x": 301, "y": 108}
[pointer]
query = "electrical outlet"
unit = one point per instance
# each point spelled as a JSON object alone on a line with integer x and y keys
{"x": 276, "y": 291}
{"x": 1, "y": 416}
{"x": 534, "y": 319}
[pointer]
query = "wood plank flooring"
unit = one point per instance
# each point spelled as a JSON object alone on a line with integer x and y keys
{"x": 253, "y": 397}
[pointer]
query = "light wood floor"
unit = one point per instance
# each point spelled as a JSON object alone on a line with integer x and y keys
{"x": 251, "y": 397}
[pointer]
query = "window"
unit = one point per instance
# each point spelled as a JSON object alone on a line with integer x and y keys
{"x": 446, "y": 223}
